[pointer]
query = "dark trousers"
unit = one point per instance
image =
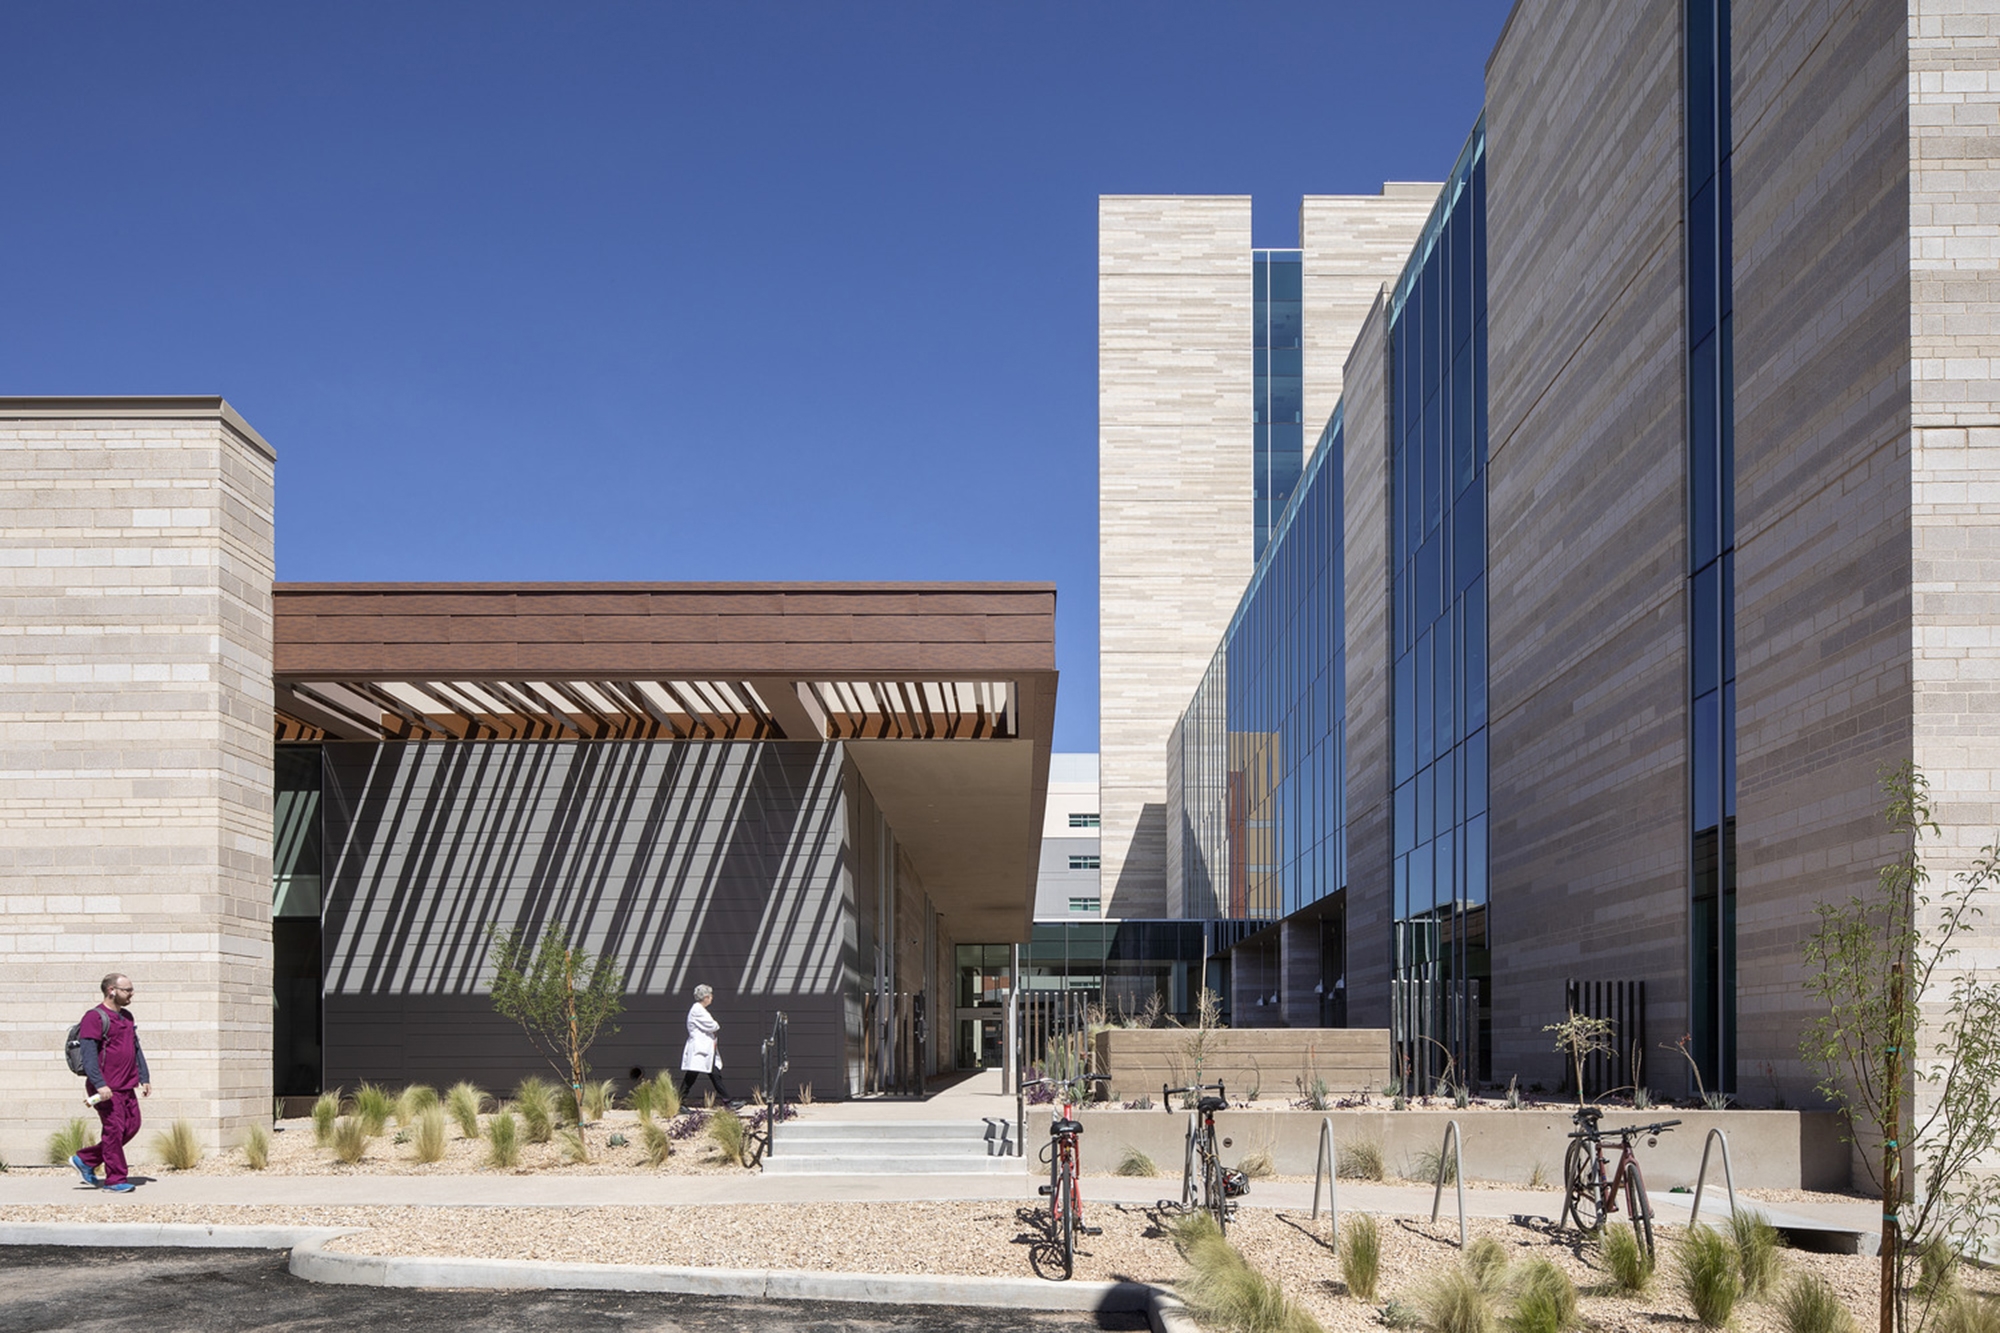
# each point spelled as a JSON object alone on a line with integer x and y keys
{"x": 715, "y": 1081}
{"x": 119, "y": 1117}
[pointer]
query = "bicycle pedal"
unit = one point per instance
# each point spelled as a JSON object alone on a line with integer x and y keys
{"x": 1090, "y": 1231}
{"x": 1043, "y": 1190}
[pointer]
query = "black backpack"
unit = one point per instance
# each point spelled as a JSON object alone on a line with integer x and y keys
{"x": 73, "y": 1044}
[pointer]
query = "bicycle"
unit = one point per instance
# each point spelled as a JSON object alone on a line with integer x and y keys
{"x": 1064, "y": 1190}
{"x": 1218, "y": 1186}
{"x": 1590, "y": 1190}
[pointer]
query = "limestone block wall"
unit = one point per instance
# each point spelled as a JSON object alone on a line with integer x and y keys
{"x": 1953, "y": 119}
{"x": 1586, "y": 505}
{"x": 1350, "y": 245}
{"x": 135, "y": 752}
{"x": 1174, "y": 497}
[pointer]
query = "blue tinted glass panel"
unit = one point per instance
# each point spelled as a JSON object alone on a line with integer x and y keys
{"x": 1468, "y": 541}
{"x": 1703, "y": 494}
{"x": 1475, "y": 772}
{"x": 1420, "y": 698}
{"x": 1406, "y": 816}
{"x": 1706, "y": 760}
{"x": 1705, "y": 631}
{"x": 1701, "y": 262}
{"x": 1406, "y": 716}
{"x": 1475, "y": 656}
{"x": 1475, "y": 860}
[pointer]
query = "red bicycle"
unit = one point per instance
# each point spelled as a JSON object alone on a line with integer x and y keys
{"x": 1064, "y": 1156}
{"x": 1591, "y": 1188}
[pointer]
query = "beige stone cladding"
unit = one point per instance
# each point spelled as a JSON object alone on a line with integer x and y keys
{"x": 1365, "y": 535}
{"x": 1174, "y": 498}
{"x": 1823, "y": 488}
{"x": 1587, "y": 662}
{"x": 1954, "y": 201}
{"x": 135, "y": 752}
{"x": 1350, "y": 244}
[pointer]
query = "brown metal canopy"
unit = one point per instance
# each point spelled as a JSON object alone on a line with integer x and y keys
{"x": 944, "y": 692}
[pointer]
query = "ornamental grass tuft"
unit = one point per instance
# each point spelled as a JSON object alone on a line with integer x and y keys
{"x": 1545, "y": 1300}
{"x": 427, "y": 1137}
{"x": 1809, "y": 1304}
{"x": 575, "y": 1145}
{"x": 1361, "y": 1258}
{"x": 1223, "y": 1291}
{"x": 597, "y": 1099}
{"x": 1709, "y": 1277}
{"x": 372, "y": 1107}
{"x": 503, "y": 1140}
{"x": 535, "y": 1103}
{"x": 1136, "y": 1163}
{"x": 1968, "y": 1313}
{"x": 1359, "y": 1161}
{"x": 1630, "y": 1267}
{"x": 659, "y": 1144}
{"x": 1486, "y": 1260}
{"x": 325, "y": 1111}
{"x": 727, "y": 1129}
{"x": 1757, "y": 1247}
{"x": 1454, "y": 1302}
{"x": 257, "y": 1148}
{"x": 464, "y": 1103}
{"x": 70, "y": 1140}
{"x": 178, "y": 1147}
{"x": 413, "y": 1101}
{"x": 349, "y": 1139}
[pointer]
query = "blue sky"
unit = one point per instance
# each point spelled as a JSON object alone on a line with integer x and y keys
{"x": 660, "y": 292}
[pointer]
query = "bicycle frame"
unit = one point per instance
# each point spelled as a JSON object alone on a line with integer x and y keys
{"x": 1065, "y": 1159}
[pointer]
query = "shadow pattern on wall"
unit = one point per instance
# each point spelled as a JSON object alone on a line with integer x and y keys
{"x": 717, "y": 862}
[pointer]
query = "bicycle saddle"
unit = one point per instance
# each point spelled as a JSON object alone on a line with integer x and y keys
{"x": 1208, "y": 1104}
{"x": 1065, "y": 1127}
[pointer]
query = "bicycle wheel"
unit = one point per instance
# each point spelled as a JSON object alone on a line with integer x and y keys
{"x": 1187, "y": 1172}
{"x": 1062, "y": 1205}
{"x": 1641, "y": 1207}
{"x": 1217, "y": 1197}
{"x": 1583, "y": 1185}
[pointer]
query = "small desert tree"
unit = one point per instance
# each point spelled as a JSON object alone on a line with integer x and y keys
{"x": 1196, "y": 1044}
{"x": 1875, "y": 961}
{"x": 561, "y": 997}
{"x": 1579, "y": 1037}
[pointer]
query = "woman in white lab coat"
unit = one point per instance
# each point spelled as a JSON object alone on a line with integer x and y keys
{"x": 700, "y": 1056}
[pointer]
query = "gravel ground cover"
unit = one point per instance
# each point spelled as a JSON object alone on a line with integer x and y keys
{"x": 988, "y": 1238}
{"x": 293, "y": 1153}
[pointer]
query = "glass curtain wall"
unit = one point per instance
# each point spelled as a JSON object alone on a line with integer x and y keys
{"x": 1711, "y": 547}
{"x": 1279, "y": 392}
{"x": 1442, "y": 1000}
{"x": 1259, "y": 808}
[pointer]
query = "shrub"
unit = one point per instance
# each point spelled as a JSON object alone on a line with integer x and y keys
{"x": 806, "y": 1094}
{"x": 535, "y": 1103}
{"x": 1361, "y": 1257}
{"x": 413, "y": 1101}
{"x": 70, "y": 1140}
{"x": 1486, "y": 1260}
{"x": 597, "y": 1099}
{"x": 1937, "y": 1272}
{"x": 1756, "y": 1251}
{"x": 1359, "y": 1161}
{"x": 257, "y": 1148}
{"x": 1425, "y": 1166}
{"x": 1630, "y": 1267}
{"x": 1538, "y": 1176}
{"x": 644, "y": 1098}
{"x": 325, "y": 1111}
{"x": 667, "y": 1100}
{"x": 1809, "y": 1305}
{"x": 575, "y": 1147}
{"x": 464, "y": 1102}
{"x": 1223, "y": 1291}
{"x": 1709, "y": 1276}
{"x": 726, "y": 1128}
{"x": 428, "y": 1136}
{"x": 1136, "y": 1163}
{"x": 1454, "y": 1302}
{"x": 372, "y": 1107}
{"x": 178, "y": 1147}
{"x": 1257, "y": 1165}
{"x": 349, "y": 1139}
{"x": 1545, "y": 1300}
{"x": 503, "y": 1140}
{"x": 659, "y": 1144}
{"x": 1967, "y": 1313}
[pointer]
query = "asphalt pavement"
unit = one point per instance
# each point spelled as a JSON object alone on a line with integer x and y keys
{"x": 238, "y": 1291}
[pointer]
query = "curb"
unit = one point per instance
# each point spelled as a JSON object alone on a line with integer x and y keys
{"x": 314, "y": 1263}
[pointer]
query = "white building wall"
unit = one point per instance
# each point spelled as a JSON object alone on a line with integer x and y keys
{"x": 1069, "y": 830}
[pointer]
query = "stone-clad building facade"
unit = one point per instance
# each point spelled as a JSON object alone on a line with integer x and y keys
{"x": 1853, "y": 192}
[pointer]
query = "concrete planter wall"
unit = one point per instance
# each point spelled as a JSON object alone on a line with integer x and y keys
{"x": 1768, "y": 1149}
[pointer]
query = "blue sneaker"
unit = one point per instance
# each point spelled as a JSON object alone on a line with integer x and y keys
{"x": 89, "y": 1176}
{"x": 122, "y": 1187}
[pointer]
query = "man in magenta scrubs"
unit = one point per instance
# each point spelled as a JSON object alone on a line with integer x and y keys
{"x": 115, "y": 1075}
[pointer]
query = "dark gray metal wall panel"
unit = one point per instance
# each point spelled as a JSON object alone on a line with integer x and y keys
{"x": 724, "y": 863}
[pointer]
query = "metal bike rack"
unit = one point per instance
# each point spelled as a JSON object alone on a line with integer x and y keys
{"x": 1324, "y": 1168}
{"x": 1451, "y": 1140}
{"x": 1728, "y": 1176}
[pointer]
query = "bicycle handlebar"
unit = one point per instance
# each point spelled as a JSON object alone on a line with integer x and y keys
{"x": 1080, "y": 1078}
{"x": 1624, "y": 1131}
{"x": 1167, "y": 1094}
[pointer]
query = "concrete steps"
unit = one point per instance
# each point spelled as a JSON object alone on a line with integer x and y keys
{"x": 895, "y": 1147}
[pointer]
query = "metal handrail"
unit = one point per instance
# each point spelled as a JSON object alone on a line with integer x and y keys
{"x": 1326, "y": 1165}
{"x": 1728, "y": 1176}
{"x": 1453, "y": 1140}
{"x": 777, "y": 1060}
